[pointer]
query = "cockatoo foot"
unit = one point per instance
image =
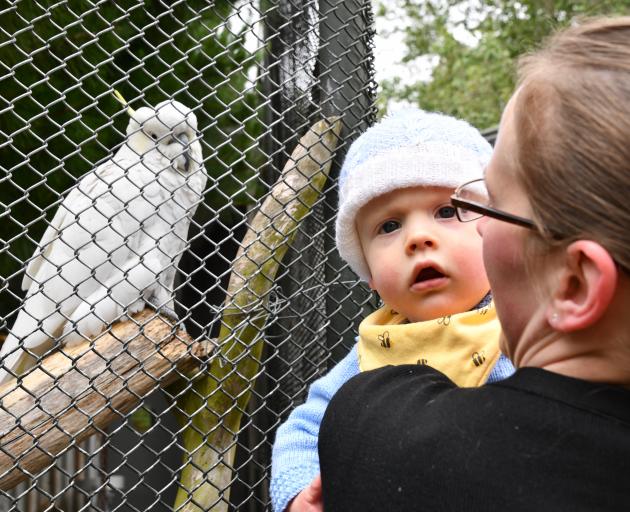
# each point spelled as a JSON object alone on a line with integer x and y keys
{"x": 163, "y": 310}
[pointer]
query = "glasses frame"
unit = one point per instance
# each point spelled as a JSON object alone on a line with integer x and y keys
{"x": 486, "y": 211}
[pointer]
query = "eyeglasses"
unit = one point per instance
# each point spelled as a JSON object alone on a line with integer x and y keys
{"x": 471, "y": 202}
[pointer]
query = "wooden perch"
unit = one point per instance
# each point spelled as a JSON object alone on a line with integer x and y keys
{"x": 98, "y": 382}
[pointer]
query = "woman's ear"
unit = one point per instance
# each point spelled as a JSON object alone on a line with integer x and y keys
{"x": 587, "y": 284}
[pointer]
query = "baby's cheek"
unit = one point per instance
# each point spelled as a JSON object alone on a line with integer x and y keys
{"x": 388, "y": 282}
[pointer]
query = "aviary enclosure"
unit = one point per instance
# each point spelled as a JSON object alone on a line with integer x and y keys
{"x": 172, "y": 405}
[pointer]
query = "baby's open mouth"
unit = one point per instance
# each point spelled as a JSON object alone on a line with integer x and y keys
{"x": 427, "y": 274}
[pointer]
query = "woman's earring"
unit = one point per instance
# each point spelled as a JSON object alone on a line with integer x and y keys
{"x": 554, "y": 318}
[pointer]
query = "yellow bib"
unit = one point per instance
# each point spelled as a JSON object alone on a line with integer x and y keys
{"x": 464, "y": 346}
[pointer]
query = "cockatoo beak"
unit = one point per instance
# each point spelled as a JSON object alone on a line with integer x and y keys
{"x": 183, "y": 140}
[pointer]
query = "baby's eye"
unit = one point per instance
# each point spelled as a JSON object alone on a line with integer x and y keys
{"x": 445, "y": 212}
{"x": 389, "y": 226}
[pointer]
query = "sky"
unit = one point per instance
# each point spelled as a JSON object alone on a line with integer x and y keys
{"x": 390, "y": 47}
{"x": 389, "y": 50}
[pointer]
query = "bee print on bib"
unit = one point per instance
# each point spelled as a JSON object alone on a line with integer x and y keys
{"x": 445, "y": 320}
{"x": 479, "y": 358}
{"x": 384, "y": 339}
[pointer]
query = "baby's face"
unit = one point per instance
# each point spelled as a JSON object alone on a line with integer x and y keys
{"x": 424, "y": 263}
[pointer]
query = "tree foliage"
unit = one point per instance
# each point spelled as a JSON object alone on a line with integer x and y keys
{"x": 60, "y": 61}
{"x": 474, "y": 75}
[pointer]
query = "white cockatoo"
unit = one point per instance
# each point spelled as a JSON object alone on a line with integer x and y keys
{"x": 114, "y": 243}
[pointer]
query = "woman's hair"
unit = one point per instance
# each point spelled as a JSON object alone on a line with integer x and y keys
{"x": 572, "y": 122}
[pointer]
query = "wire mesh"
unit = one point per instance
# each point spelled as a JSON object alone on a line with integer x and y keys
{"x": 121, "y": 222}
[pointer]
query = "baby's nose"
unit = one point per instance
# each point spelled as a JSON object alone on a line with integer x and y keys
{"x": 420, "y": 241}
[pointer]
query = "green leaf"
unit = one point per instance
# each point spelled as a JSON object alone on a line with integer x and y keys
{"x": 476, "y": 82}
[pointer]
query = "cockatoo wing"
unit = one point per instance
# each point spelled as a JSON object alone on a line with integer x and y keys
{"x": 71, "y": 265}
{"x": 116, "y": 238}
{"x": 45, "y": 246}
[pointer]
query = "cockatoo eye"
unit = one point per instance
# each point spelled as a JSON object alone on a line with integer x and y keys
{"x": 154, "y": 136}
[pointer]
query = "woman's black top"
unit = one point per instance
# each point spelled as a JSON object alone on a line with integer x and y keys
{"x": 406, "y": 438}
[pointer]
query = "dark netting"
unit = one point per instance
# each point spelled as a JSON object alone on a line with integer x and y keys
{"x": 154, "y": 332}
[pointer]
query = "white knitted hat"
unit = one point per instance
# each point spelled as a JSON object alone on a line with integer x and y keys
{"x": 407, "y": 149}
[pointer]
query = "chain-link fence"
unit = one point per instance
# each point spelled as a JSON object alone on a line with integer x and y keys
{"x": 117, "y": 209}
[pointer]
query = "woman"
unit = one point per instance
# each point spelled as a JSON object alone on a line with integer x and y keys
{"x": 556, "y": 235}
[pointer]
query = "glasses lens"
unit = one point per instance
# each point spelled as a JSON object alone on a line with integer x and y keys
{"x": 473, "y": 192}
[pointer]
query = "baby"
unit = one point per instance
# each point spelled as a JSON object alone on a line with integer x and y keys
{"x": 397, "y": 230}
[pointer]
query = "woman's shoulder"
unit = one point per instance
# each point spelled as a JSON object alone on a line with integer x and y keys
{"x": 378, "y": 400}
{"x": 411, "y": 382}
{"x": 415, "y": 395}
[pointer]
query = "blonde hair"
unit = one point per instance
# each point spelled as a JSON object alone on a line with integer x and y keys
{"x": 572, "y": 122}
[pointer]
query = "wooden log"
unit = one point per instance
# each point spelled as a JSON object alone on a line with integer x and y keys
{"x": 76, "y": 391}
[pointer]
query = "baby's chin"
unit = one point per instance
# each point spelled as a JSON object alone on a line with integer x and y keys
{"x": 416, "y": 316}
{"x": 428, "y": 312}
